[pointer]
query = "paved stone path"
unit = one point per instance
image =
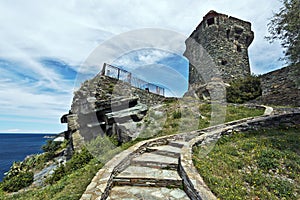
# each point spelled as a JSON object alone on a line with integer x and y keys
{"x": 151, "y": 175}
{"x": 160, "y": 168}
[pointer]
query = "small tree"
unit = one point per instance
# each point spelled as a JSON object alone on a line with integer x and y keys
{"x": 285, "y": 26}
{"x": 243, "y": 89}
{"x": 51, "y": 146}
{"x": 15, "y": 183}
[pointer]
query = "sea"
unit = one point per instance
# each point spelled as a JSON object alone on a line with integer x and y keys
{"x": 15, "y": 147}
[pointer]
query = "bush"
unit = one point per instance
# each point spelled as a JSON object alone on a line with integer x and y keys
{"x": 51, "y": 146}
{"x": 102, "y": 148}
{"x": 176, "y": 114}
{"x": 57, "y": 175}
{"x": 79, "y": 160}
{"x": 243, "y": 89}
{"x": 15, "y": 183}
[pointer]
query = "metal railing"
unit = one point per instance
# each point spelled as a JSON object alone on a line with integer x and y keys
{"x": 123, "y": 75}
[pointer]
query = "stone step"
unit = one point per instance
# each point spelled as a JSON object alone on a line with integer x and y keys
{"x": 165, "y": 150}
{"x": 139, "y": 108}
{"x": 155, "y": 161}
{"x": 149, "y": 193}
{"x": 145, "y": 176}
{"x": 178, "y": 144}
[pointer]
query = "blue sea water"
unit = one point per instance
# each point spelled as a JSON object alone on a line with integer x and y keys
{"x": 15, "y": 147}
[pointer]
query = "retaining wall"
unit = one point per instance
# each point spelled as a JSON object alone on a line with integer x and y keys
{"x": 193, "y": 183}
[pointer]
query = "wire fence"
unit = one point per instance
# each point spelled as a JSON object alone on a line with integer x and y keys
{"x": 123, "y": 75}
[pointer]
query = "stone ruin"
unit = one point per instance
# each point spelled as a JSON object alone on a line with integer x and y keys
{"x": 217, "y": 50}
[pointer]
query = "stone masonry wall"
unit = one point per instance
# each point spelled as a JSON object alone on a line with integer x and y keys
{"x": 193, "y": 183}
{"x": 281, "y": 87}
{"x": 225, "y": 39}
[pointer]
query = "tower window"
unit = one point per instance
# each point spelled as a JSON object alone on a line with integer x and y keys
{"x": 228, "y": 33}
{"x": 210, "y": 21}
{"x": 248, "y": 40}
{"x": 224, "y": 62}
{"x": 238, "y": 30}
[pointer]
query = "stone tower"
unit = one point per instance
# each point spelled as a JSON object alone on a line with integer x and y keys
{"x": 218, "y": 49}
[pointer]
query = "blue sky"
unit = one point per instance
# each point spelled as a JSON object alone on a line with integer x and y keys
{"x": 46, "y": 46}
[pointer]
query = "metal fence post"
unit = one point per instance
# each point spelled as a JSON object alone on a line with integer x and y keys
{"x": 103, "y": 69}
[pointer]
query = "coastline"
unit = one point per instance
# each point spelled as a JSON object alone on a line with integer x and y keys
{"x": 15, "y": 147}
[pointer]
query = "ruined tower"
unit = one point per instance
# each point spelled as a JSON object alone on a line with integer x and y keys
{"x": 218, "y": 48}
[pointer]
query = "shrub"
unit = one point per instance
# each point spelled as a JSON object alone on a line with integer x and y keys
{"x": 243, "y": 89}
{"x": 57, "y": 175}
{"x": 79, "y": 160}
{"x": 177, "y": 115}
{"x": 15, "y": 183}
{"x": 51, "y": 146}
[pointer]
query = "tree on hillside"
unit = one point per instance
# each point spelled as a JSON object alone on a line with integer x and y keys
{"x": 285, "y": 26}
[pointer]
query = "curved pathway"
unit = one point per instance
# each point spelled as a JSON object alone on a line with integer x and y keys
{"x": 151, "y": 175}
{"x": 162, "y": 168}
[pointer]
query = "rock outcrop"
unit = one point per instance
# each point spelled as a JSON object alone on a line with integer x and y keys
{"x": 107, "y": 106}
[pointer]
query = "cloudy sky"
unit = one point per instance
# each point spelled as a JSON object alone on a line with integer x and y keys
{"x": 47, "y": 46}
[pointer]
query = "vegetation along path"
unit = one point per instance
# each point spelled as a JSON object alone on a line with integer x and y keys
{"x": 162, "y": 168}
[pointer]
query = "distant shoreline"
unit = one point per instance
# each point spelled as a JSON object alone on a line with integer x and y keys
{"x": 15, "y": 147}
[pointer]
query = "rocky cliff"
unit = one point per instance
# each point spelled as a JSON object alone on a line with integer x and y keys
{"x": 107, "y": 106}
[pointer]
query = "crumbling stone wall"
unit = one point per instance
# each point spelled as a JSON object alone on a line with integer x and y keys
{"x": 218, "y": 48}
{"x": 281, "y": 87}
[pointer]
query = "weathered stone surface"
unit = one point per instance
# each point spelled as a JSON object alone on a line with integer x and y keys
{"x": 138, "y": 193}
{"x": 104, "y": 105}
{"x": 137, "y": 112}
{"x": 72, "y": 122}
{"x": 281, "y": 87}
{"x": 154, "y": 160}
{"x": 218, "y": 49}
{"x": 77, "y": 140}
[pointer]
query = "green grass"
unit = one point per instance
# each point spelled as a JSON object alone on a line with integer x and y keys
{"x": 180, "y": 120}
{"x": 232, "y": 112}
{"x": 263, "y": 164}
{"x": 240, "y": 112}
{"x": 72, "y": 185}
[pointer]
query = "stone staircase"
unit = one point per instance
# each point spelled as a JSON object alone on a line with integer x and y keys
{"x": 151, "y": 175}
{"x": 162, "y": 168}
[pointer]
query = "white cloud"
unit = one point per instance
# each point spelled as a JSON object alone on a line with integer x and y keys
{"x": 141, "y": 57}
{"x": 72, "y": 30}
{"x": 27, "y": 101}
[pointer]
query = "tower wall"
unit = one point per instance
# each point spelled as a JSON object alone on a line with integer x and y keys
{"x": 225, "y": 40}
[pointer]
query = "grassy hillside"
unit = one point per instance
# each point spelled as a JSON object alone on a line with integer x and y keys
{"x": 71, "y": 180}
{"x": 262, "y": 164}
